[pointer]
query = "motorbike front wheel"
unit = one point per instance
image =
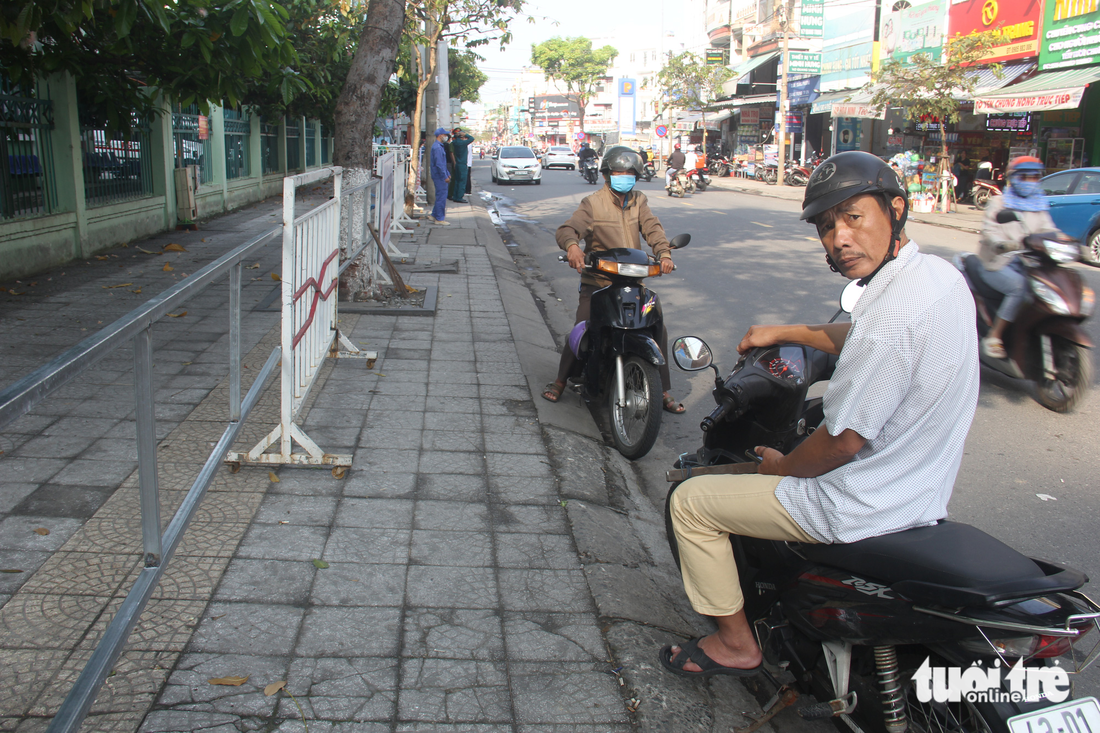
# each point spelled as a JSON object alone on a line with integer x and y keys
{"x": 1073, "y": 367}
{"x": 634, "y": 425}
{"x": 981, "y": 199}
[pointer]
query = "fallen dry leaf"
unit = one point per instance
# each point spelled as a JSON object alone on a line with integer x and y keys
{"x": 13, "y": 292}
{"x": 120, "y": 285}
{"x": 102, "y": 257}
{"x": 215, "y": 618}
{"x": 274, "y": 687}
{"x": 136, "y": 292}
{"x": 177, "y": 315}
{"x": 275, "y": 277}
{"x": 320, "y": 564}
{"x": 271, "y": 475}
{"x": 173, "y": 247}
{"x": 230, "y": 681}
{"x": 10, "y": 570}
{"x": 253, "y": 267}
{"x": 142, "y": 249}
{"x": 42, "y": 531}
{"x": 167, "y": 267}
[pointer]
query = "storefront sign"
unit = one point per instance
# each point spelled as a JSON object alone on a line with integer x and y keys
{"x": 1017, "y": 22}
{"x": 804, "y": 62}
{"x": 848, "y": 48}
{"x": 910, "y": 31}
{"x": 847, "y": 134}
{"x": 750, "y": 116}
{"x": 1034, "y": 103}
{"x": 858, "y": 110}
{"x": 801, "y": 92}
{"x": 555, "y": 107}
{"x": 1071, "y": 35}
{"x": 716, "y": 57}
{"x": 204, "y": 127}
{"x": 1011, "y": 122}
{"x": 813, "y": 18}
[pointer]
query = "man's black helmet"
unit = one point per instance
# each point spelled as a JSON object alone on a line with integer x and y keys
{"x": 622, "y": 158}
{"x": 844, "y": 175}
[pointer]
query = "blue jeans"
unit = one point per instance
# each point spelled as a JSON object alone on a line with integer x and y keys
{"x": 1011, "y": 281}
{"x": 439, "y": 211}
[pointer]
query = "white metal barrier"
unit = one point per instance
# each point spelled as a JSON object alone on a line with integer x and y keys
{"x": 311, "y": 272}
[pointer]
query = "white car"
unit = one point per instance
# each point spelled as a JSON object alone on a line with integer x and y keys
{"x": 561, "y": 155}
{"x": 514, "y": 163}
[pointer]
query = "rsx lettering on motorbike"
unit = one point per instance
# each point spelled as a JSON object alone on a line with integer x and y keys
{"x": 871, "y": 589}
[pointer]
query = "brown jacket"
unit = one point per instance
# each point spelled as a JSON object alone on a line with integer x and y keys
{"x": 602, "y": 223}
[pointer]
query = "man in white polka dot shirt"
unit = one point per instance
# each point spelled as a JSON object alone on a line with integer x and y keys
{"x": 897, "y": 411}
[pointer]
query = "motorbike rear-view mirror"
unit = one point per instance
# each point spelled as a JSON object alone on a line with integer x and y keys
{"x": 691, "y": 354}
{"x": 1004, "y": 216}
{"x": 850, "y": 296}
{"x": 680, "y": 241}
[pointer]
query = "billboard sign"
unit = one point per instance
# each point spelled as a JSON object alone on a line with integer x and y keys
{"x": 913, "y": 30}
{"x": 848, "y": 47}
{"x": 1017, "y": 22}
{"x": 1071, "y": 35}
{"x": 812, "y": 19}
{"x": 555, "y": 107}
{"x": 804, "y": 62}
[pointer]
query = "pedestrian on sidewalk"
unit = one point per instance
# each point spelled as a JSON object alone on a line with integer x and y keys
{"x": 613, "y": 217}
{"x": 460, "y": 144}
{"x": 440, "y": 177}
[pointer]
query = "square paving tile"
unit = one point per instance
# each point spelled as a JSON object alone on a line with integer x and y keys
{"x": 188, "y": 688}
{"x": 85, "y": 472}
{"x": 359, "y": 544}
{"x": 443, "y": 547}
{"x": 565, "y": 693}
{"x": 18, "y": 532}
{"x": 349, "y": 631}
{"x": 545, "y": 590}
{"x": 342, "y": 689}
{"x": 47, "y": 621}
{"x": 283, "y": 542}
{"x": 83, "y": 573}
{"x": 453, "y": 634}
{"x": 378, "y": 513}
{"x": 454, "y": 691}
{"x": 529, "y": 518}
{"x": 52, "y": 500}
{"x": 359, "y": 584}
{"x": 453, "y": 487}
{"x": 247, "y": 628}
{"x": 381, "y": 484}
{"x": 267, "y": 581}
{"x": 24, "y": 674}
{"x": 12, "y": 493}
{"x": 553, "y": 637}
{"x": 433, "y": 586}
{"x": 452, "y": 515}
{"x": 296, "y": 510}
{"x": 530, "y": 550}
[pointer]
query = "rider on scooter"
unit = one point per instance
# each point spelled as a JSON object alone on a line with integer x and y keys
{"x": 1000, "y": 243}
{"x": 897, "y": 411}
{"x": 586, "y": 153}
{"x": 598, "y": 222}
{"x": 674, "y": 164}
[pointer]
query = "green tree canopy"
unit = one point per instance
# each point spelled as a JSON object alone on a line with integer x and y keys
{"x": 687, "y": 83}
{"x": 574, "y": 63}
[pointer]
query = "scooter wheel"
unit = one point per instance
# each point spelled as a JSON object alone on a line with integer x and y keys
{"x": 981, "y": 199}
{"x": 1073, "y": 369}
{"x": 634, "y": 425}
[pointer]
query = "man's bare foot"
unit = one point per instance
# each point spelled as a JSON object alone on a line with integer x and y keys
{"x": 713, "y": 647}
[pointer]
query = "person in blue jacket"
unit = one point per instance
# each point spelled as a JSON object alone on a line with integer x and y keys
{"x": 440, "y": 177}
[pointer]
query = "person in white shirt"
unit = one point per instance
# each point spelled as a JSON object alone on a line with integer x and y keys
{"x": 897, "y": 411}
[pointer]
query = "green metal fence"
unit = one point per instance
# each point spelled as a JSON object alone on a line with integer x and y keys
{"x": 326, "y": 140}
{"x": 311, "y": 143}
{"x": 237, "y": 133}
{"x": 293, "y": 135}
{"x": 269, "y": 148}
{"x": 191, "y": 141}
{"x": 117, "y": 164}
{"x": 27, "y": 185}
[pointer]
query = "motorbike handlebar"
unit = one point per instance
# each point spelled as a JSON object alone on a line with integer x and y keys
{"x": 728, "y": 405}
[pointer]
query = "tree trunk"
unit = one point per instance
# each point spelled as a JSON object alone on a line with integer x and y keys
{"x": 356, "y": 110}
{"x": 945, "y": 170}
{"x": 422, "y": 84}
{"x": 580, "y": 106}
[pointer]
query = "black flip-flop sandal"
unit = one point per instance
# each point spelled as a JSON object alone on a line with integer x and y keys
{"x": 690, "y": 652}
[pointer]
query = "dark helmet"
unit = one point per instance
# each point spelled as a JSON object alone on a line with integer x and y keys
{"x": 621, "y": 158}
{"x": 698, "y": 148}
{"x": 848, "y": 174}
{"x": 1026, "y": 164}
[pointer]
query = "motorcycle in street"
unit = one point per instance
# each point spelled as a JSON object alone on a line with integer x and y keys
{"x": 589, "y": 170}
{"x": 982, "y": 190}
{"x": 680, "y": 184}
{"x": 648, "y": 171}
{"x": 719, "y": 165}
{"x": 619, "y": 346}
{"x": 865, "y": 626}
{"x": 702, "y": 180}
{"x": 1047, "y": 342}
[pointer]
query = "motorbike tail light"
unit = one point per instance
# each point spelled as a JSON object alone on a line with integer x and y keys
{"x": 1041, "y": 646}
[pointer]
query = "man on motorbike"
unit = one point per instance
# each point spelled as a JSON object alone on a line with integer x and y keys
{"x": 674, "y": 164}
{"x": 586, "y": 153}
{"x": 897, "y": 411}
{"x": 611, "y": 218}
{"x": 1000, "y": 242}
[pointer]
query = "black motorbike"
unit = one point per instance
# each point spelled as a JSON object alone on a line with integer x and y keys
{"x": 648, "y": 171}
{"x": 590, "y": 170}
{"x": 619, "y": 347}
{"x": 865, "y": 626}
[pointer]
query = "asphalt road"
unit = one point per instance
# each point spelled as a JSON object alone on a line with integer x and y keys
{"x": 1029, "y": 475}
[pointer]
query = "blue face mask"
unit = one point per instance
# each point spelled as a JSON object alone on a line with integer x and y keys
{"x": 1026, "y": 189}
{"x": 622, "y": 184}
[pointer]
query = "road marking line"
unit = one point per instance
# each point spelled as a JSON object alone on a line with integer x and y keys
{"x": 761, "y": 224}
{"x": 813, "y": 239}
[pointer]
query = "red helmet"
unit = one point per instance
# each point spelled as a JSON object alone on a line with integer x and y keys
{"x": 676, "y": 146}
{"x": 1026, "y": 164}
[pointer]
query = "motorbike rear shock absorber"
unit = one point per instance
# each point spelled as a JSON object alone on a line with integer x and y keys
{"x": 893, "y": 698}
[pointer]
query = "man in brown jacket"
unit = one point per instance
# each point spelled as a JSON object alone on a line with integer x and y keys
{"x": 616, "y": 216}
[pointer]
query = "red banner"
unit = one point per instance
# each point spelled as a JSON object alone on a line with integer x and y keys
{"x": 1018, "y": 22}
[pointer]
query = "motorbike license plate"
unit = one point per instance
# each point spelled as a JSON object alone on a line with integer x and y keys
{"x": 1074, "y": 716}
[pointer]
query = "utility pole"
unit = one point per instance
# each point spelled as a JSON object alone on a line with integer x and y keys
{"x": 785, "y": 23}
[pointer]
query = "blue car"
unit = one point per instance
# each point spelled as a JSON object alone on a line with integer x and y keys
{"x": 1075, "y": 207}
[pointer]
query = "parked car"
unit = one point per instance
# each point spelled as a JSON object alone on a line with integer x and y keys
{"x": 560, "y": 155}
{"x": 1075, "y": 207}
{"x": 516, "y": 163}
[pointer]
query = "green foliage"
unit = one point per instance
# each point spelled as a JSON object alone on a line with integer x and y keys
{"x": 465, "y": 78}
{"x": 686, "y": 82}
{"x": 574, "y": 63}
{"x": 117, "y": 49}
{"x": 927, "y": 88}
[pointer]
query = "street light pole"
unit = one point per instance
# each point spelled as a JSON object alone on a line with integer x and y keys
{"x": 781, "y": 157}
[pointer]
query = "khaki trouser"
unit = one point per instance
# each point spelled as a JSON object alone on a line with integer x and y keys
{"x": 706, "y": 510}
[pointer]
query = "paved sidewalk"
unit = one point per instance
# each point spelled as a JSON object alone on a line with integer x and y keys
{"x": 435, "y": 588}
{"x": 965, "y": 218}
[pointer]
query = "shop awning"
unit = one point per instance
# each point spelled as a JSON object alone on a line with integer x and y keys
{"x": 730, "y": 87}
{"x": 1046, "y": 91}
{"x": 850, "y": 103}
{"x": 988, "y": 82}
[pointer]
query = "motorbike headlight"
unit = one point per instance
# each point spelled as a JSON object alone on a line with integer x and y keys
{"x": 1088, "y": 301}
{"x": 1047, "y": 294}
{"x": 628, "y": 270}
{"x": 1062, "y": 251}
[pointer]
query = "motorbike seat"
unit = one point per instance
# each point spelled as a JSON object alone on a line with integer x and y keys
{"x": 948, "y": 564}
{"x": 975, "y": 271}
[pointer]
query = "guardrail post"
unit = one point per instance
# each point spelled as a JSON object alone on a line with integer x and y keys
{"x": 289, "y": 265}
{"x": 147, "y": 446}
{"x": 235, "y": 343}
